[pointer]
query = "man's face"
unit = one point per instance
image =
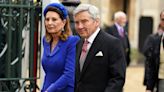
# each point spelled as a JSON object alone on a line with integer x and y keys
{"x": 122, "y": 21}
{"x": 162, "y": 20}
{"x": 84, "y": 24}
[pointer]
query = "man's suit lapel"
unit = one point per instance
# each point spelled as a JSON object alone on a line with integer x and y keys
{"x": 79, "y": 49}
{"x": 157, "y": 42}
{"x": 115, "y": 31}
{"x": 93, "y": 49}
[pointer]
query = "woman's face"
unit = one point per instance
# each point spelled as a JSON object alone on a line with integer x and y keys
{"x": 53, "y": 22}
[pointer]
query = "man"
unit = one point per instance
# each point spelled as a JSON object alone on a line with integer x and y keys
{"x": 118, "y": 30}
{"x": 100, "y": 62}
{"x": 154, "y": 51}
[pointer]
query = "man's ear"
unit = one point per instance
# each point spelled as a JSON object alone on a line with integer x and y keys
{"x": 98, "y": 21}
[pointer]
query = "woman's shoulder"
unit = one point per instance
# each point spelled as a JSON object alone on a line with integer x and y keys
{"x": 73, "y": 38}
{"x": 44, "y": 41}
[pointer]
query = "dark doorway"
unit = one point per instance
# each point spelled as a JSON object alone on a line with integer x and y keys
{"x": 145, "y": 28}
{"x": 126, "y": 6}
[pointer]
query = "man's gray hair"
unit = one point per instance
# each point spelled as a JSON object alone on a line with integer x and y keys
{"x": 119, "y": 14}
{"x": 92, "y": 10}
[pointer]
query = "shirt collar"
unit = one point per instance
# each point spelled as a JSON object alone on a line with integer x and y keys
{"x": 118, "y": 26}
{"x": 93, "y": 36}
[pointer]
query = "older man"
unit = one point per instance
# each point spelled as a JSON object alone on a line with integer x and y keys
{"x": 100, "y": 61}
{"x": 118, "y": 30}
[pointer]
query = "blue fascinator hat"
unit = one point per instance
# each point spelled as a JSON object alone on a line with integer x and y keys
{"x": 59, "y": 7}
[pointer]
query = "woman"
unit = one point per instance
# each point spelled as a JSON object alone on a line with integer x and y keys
{"x": 58, "y": 59}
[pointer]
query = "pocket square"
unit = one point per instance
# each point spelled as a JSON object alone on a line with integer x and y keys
{"x": 99, "y": 53}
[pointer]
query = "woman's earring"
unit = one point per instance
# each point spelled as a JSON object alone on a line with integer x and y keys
{"x": 62, "y": 30}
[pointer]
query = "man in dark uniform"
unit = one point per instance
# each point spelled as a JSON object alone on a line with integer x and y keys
{"x": 153, "y": 51}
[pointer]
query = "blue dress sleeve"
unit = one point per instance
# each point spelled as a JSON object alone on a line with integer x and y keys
{"x": 69, "y": 70}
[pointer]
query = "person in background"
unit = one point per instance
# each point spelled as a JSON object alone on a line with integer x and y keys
{"x": 118, "y": 30}
{"x": 100, "y": 61}
{"x": 153, "y": 51}
{"x": 59, "y": 45}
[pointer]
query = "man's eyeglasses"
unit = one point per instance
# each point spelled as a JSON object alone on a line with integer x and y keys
{"x": 162, "y": 19}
